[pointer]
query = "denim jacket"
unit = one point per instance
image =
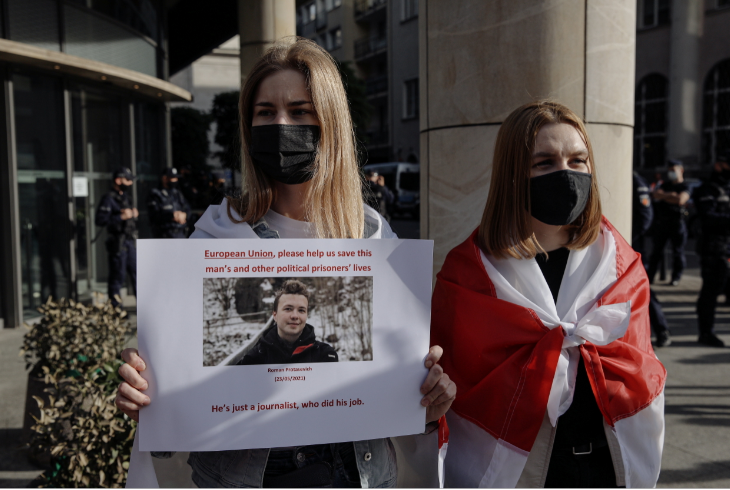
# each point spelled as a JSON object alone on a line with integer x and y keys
{"x": 376, "y": 460}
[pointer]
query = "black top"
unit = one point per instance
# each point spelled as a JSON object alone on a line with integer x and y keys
{"x": 582, "y": 422}
{"x": 713, "y": 210}
{"x": 671, "y": 212}
{"x": 271, "y": 349}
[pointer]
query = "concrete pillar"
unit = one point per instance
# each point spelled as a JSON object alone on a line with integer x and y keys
{"x": 260, "y": 24}
{"x": 685, "y": 86}
{"x": 481, "y": 60}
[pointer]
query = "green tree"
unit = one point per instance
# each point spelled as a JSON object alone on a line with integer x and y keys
{"x": 225, "y": 115}
{"x": 360, "y": 108}
{"x": 190, "y": 137}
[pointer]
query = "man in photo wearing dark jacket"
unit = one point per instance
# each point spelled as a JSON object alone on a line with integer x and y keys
{"x": 291, "y": 339}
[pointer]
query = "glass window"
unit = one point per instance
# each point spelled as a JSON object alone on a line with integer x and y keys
{"x": 150, "y": 155}
{"x": 653, "y": 13}
{"x": 650, "y": 125}
{"x": 312, "y": 12}
{"x": 409, "y": 9}
{"x": 337, "y": 38}
{"x": 716, "y": 112}
{"x": 99, "y": 132}
{"x": 140, "y": 15}
{"x": 410, "y": 98}
{"x": 328, "y": 5}
{"x": 93, "y": 37}
{"x": 34, "y": 22}
{"x": 42, "y": 189}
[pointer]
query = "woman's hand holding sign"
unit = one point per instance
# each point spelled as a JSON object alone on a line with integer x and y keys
{"x": 129, "y": 396}
{"x": 440, "y": 391}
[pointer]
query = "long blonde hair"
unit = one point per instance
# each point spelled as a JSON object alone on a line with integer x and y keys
{"x": 334, "y": 201}
{"x": 505, "y": 229}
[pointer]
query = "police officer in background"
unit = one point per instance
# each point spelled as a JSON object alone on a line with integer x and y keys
{"x": 168, "y": 208}
{"x": 116, "y": 212}
{"x": 669, "y": 221}
{"x": 712, "y": 200}
{"x": 378, "y": 196}
{"x": 643, "y": 215}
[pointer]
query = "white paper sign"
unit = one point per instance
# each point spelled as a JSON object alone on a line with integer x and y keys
{"x": 205, "y": 307}
{"x": 81, "y": 187}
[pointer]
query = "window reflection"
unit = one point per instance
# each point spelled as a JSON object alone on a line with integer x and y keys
{"x": 42, "y": 189}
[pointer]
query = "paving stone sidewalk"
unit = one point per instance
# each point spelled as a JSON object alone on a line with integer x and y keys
{"x": 697, "y": 443}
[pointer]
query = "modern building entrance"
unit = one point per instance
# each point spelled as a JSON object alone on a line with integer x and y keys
{"x": 68, "y": 138}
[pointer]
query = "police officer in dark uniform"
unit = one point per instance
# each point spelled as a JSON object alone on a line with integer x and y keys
{"x": 116, "y": 212}
{"x": 643, "y": 215}
{"x": 379, "y": 197}
{"x": 669, "y": 221}
{"x": 168, "y": 208}
{"x": 712, "y": 200}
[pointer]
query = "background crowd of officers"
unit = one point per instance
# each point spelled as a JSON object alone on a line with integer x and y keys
{"x": 170, "y": 208}
{"x": 661, "y": 212}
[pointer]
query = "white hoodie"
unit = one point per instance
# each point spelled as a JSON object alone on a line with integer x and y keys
{"x": 215, "y": 223}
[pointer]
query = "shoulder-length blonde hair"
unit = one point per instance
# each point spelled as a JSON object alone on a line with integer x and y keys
{"x": 334, "y": 202}
{"x": 505, "y": 229}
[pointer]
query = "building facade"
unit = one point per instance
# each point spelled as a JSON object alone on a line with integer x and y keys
{"x": 682, "y": 103}
{"x": 379, "y": 38}
{"x": 85, "y": 92}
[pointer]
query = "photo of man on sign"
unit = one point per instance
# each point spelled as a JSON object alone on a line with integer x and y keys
{"x": 284, "y": 320}
{"x": 290, "y": 339}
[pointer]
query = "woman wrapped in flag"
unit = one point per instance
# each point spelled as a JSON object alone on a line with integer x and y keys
{"x": 546, "y": 306}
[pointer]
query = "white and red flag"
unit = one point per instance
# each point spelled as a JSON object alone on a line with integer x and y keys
{"x": 513, "y": 352}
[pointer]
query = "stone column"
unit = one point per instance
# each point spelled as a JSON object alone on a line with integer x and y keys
{"x": 685, "y": 87}
{"x": 481, "y": 60}
{"x": 260, "y": 24}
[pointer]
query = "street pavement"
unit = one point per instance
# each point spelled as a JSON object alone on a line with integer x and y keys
{"x": 697, "y": 440}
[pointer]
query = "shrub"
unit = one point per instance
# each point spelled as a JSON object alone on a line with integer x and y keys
{"x": 75, "y": 349}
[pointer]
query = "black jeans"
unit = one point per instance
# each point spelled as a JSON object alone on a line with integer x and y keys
{"x": 339, "y": 457}
{"x": 676, "y": 232}
{"x": 567, "y": 470}
{"x": 121, "y": 263}
{"x": 713, "y": 269}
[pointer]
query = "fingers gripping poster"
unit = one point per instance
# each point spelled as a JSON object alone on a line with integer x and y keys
{"x": 272, "y": 343}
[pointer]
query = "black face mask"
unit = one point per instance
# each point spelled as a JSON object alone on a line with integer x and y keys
{"x": 558, "y": 198}
{"x": 172, "y": 185}
{"x": 285, "y": 152}
{"x": 124, "y": 187}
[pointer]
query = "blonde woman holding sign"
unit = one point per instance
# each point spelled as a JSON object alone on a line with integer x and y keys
{"x": 301, "y": 180}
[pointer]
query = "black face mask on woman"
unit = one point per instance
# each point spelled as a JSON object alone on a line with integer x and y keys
{"x": 285, "y": 152}
{"x": 558, "y": 198}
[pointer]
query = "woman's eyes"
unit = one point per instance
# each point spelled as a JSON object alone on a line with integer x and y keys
{"x": 550, "y": 163}
{"x": 295, "y": 112}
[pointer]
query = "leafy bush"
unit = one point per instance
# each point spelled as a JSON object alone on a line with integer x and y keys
{"x": 75, "y": 349}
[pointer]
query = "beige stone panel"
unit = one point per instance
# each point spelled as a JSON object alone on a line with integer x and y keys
{"x": 612, "y": 150}
{"x": 485, "y": 58}
{"x": 261, "y": 23}
{"x": 460, "y": 167}
{"x": 610, "y": 61}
